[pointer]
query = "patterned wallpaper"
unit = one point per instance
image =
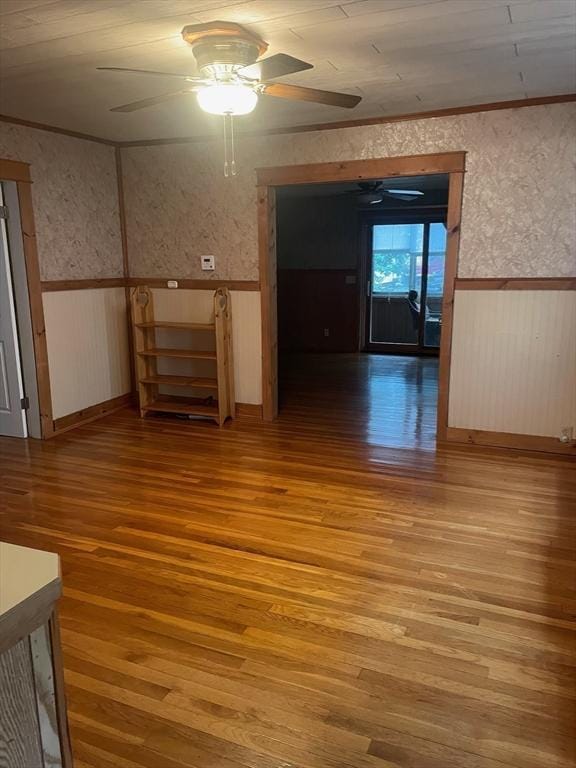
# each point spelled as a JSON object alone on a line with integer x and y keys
{"x": 75, "y": 200}
{"x": 519, "y": 214}
{"x": 519, "y": 211}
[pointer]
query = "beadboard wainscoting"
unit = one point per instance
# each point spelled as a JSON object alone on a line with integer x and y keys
{"x": 196, "y": 306}
{"x": 513, "y": 367}
{"x": 88, "y": 351}
{"x": 89, "y": 348}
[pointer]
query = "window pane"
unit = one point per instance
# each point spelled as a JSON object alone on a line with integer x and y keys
{"x": 396, "y": 270}
{"x": 396, "y": 258}
{"x": 435, "y": 285}
{"x": 436, "y": 258}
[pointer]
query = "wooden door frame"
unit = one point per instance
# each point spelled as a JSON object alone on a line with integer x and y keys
{"x": 11, "y": 170}
{"x": 451, "y": 163}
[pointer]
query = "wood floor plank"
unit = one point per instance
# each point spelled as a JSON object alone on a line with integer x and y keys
{"x": 324, "y": 591}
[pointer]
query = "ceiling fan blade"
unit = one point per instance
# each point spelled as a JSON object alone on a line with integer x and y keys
{"x": 150, "y": 102}
{"x": 153, "y": 73}
{"x": 274, "y": 66}
{"x": 411, "y": 192}
{"x": 401, "y": 198}
{"x": 298, "y": 93}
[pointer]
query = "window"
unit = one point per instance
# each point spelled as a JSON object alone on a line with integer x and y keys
{"x": 436, "y": 259}
{"x": 396, "y": 257}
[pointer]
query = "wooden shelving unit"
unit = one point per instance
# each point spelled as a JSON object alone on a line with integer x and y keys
{"x": 201, "y": 395}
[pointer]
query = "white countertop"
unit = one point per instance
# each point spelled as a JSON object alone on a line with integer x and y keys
{"x": 26, "y": 575}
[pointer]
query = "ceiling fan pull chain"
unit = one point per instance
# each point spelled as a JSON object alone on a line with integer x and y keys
{"x": 229, "y": 148}
{"x": 232, "y": 147}
{"x": 226, "y": 163}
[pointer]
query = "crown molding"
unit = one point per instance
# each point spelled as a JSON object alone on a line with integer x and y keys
{"x": 449, "y": 112}
{"x": 54, "y": 129}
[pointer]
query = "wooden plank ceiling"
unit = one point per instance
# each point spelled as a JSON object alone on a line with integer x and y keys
{"x": 400, "y": 55}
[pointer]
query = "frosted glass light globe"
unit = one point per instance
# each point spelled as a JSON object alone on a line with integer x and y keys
{"x": 227, "y": 99}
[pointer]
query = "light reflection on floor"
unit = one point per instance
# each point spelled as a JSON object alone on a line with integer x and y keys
{"x": 383, "y": 400}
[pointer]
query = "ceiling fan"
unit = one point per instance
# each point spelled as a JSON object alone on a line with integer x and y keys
{"x": 232, "y": 76}
{"x": 373, "y": 192}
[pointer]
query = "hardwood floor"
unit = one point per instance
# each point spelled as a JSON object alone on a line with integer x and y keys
{"x": 382, "y": 399}
{"x": 291, "y": 595}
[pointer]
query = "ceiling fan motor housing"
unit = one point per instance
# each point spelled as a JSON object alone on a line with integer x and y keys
{"x": 221, "y": 48}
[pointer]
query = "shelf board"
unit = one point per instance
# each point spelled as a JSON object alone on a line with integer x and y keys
{"x": 186, "y": 353}
{"x": 182, "y": 407}
{"x": 181, "y": 381}
{"x": 177, "y": 326}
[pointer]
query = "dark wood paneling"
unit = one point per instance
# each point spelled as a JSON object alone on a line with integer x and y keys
{"x": 310, "y": 300}
{"x": 317, "y": 232}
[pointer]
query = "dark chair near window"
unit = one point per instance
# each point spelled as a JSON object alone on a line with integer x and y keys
{"x": 414, "y": 307}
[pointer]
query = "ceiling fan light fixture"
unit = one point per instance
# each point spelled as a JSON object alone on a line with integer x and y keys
{"x": 369, "y": 198}
{"x": 227, "y": 99}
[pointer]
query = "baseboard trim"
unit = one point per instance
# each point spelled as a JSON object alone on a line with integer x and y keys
{"x": 250, "y": 410}
{"x": 93, "y": 412}
{"x": 509, "y": 440}
{"x": 98, "y": 411}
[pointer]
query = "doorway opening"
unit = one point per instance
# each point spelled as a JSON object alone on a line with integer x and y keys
{"x": 270, "y": 180}
{"x": 404, "y": 252}
{"x": 360, "y": 275}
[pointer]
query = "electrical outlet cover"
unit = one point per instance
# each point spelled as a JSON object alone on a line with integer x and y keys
{"x": 207, "y": 263}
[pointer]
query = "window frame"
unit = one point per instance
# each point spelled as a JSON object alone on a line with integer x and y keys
{"x": 368, "y": 219}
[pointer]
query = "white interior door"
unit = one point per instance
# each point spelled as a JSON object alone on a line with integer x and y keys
{"x": 12, "y": 414}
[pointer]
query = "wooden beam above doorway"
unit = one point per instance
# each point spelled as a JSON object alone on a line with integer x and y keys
{"x": 354, "y": 170}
